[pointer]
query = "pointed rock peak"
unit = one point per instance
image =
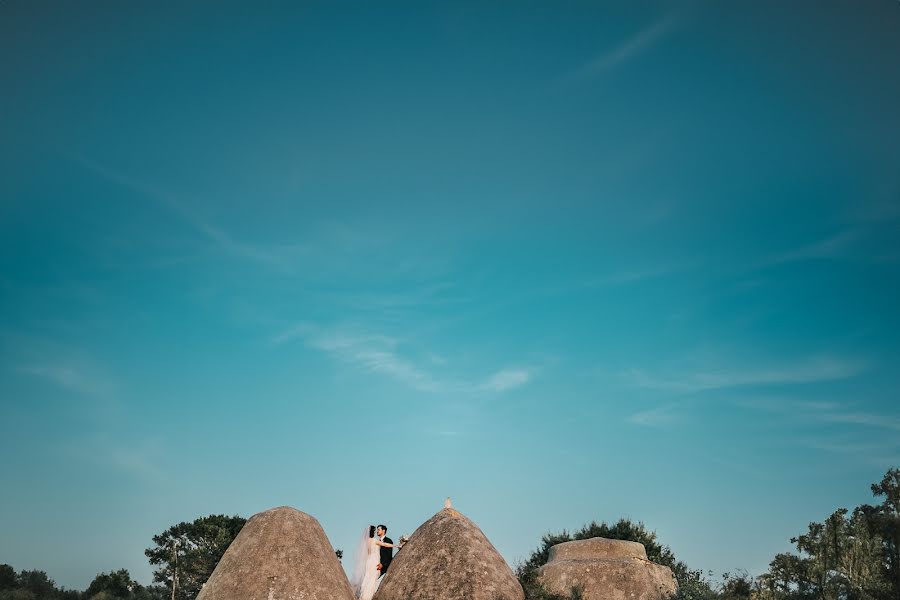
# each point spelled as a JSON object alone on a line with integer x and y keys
{"x": 449, "y": 558}
{"x": 452, "y": 512}
{"x": 280, "y": 554}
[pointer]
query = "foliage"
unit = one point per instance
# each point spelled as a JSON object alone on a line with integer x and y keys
{"x": 196, "y": 548}
{"x": 849, "y": 556}
{"x": 36, "y": 585}
{"x": 884, "y": 523}
{"x": 7, "y": 578}
{"x": 28, "y": 585}
{"x": 118, "y": 585}
{"x": 737, "y": 587}
{"x": 115, "y": 584}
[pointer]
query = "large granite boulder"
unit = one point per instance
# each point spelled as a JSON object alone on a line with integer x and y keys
{"x": 280, "y": 554}
{"x": 606, "y": 570}
{"x": 449, "y": 558}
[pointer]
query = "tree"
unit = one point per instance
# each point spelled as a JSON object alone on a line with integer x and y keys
{"x": 18, "y": 594}
{"x": 884, "y": 523}
{"x": 29, "y": 585}
{"x": 118, "y": 585}
{"x": 839, "y": 559}
{"x": 196, "y": 548}
{"x": 786, "y": 578}
{"x": 849, "y": 556}
{"x": 7, "y": 578}
{"x": 115, "y": 584}
{"x": 38, "y": 583}
{"x": 737, "y": 587}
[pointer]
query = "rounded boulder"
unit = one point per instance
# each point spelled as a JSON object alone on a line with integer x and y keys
{"x": 606, "y": 570}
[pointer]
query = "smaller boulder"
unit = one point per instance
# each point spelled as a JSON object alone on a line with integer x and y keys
{"x": 606, "y": 570}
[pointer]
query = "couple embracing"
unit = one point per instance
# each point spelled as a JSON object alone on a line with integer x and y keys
{"x": 373, "y": 557}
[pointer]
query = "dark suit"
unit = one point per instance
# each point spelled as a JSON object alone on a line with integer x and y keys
{"x": 386, "y": 556}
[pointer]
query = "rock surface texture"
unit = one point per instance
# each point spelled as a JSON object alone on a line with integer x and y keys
{"x": 280, "y": 554}
{"x": 449, "y": 558}
{"x": 606, "y": 570}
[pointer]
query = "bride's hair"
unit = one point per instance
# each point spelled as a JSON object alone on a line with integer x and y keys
{"x": 371, "y": 531}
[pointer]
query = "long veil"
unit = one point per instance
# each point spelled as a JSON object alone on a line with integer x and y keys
{"x": 359, "y": 564}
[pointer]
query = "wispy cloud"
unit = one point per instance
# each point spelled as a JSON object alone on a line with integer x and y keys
{"x": 375, "y": 354}
{"x": 135, "y": 457}
{"x": 834, "y": 246}
{"x": 292, "y": 333}
{"x": 812, "y": 370}
{"x": 808, "y": 371}
{"x": 838, "y": 427}
{"x": 273, "y": 255}
{"x": 813, "y": 412}
{"x": 629, "y": 48}
{"x": 381, "y": 354}
{"x": 635, "y": 276}
{"x": 141, "y": 462}
{"x": 507, "y": 379}
{"x": 72, "y": 377}
{"x": 869, "y": 420}
{"x": 389, "y": 363}
{"x": 661, "y": 416}
{"x": 436, "y": 359}
{"x": 880, "y": 453}
{"x": 438, "y": 293}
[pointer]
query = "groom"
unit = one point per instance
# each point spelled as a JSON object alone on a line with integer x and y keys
{"x": 386, "y": 549}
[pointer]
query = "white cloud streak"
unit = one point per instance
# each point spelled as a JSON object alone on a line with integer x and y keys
{"x": 877, "y": 453}
{"x": 865, "y": 419}
{"x": 374, "y": 354}
{"x": 380, "y": 354}
{"x": 280, "y": 256}
{"x": 814, "y": 412}
{"x": 70, "y": 377}
{"x": 633, "y": 46}
{"x": 507, "y": 379}
{"x": 656, "y": 417}
{"x": 832, "y": 247}
{"x": 810, "y": 371}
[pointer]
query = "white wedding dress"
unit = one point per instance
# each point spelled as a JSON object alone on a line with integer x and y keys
{"x": 366, "y": 576}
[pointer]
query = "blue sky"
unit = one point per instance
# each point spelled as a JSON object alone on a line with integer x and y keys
{"x": 561, "y": 262}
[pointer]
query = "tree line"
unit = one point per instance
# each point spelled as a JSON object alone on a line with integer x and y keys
{"x": 185, "y": 555}
{"x": 36, "y": 585}
{"x": 851, "y": 555}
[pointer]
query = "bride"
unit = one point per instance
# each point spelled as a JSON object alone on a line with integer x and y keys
{"x": 365, "y": 571}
